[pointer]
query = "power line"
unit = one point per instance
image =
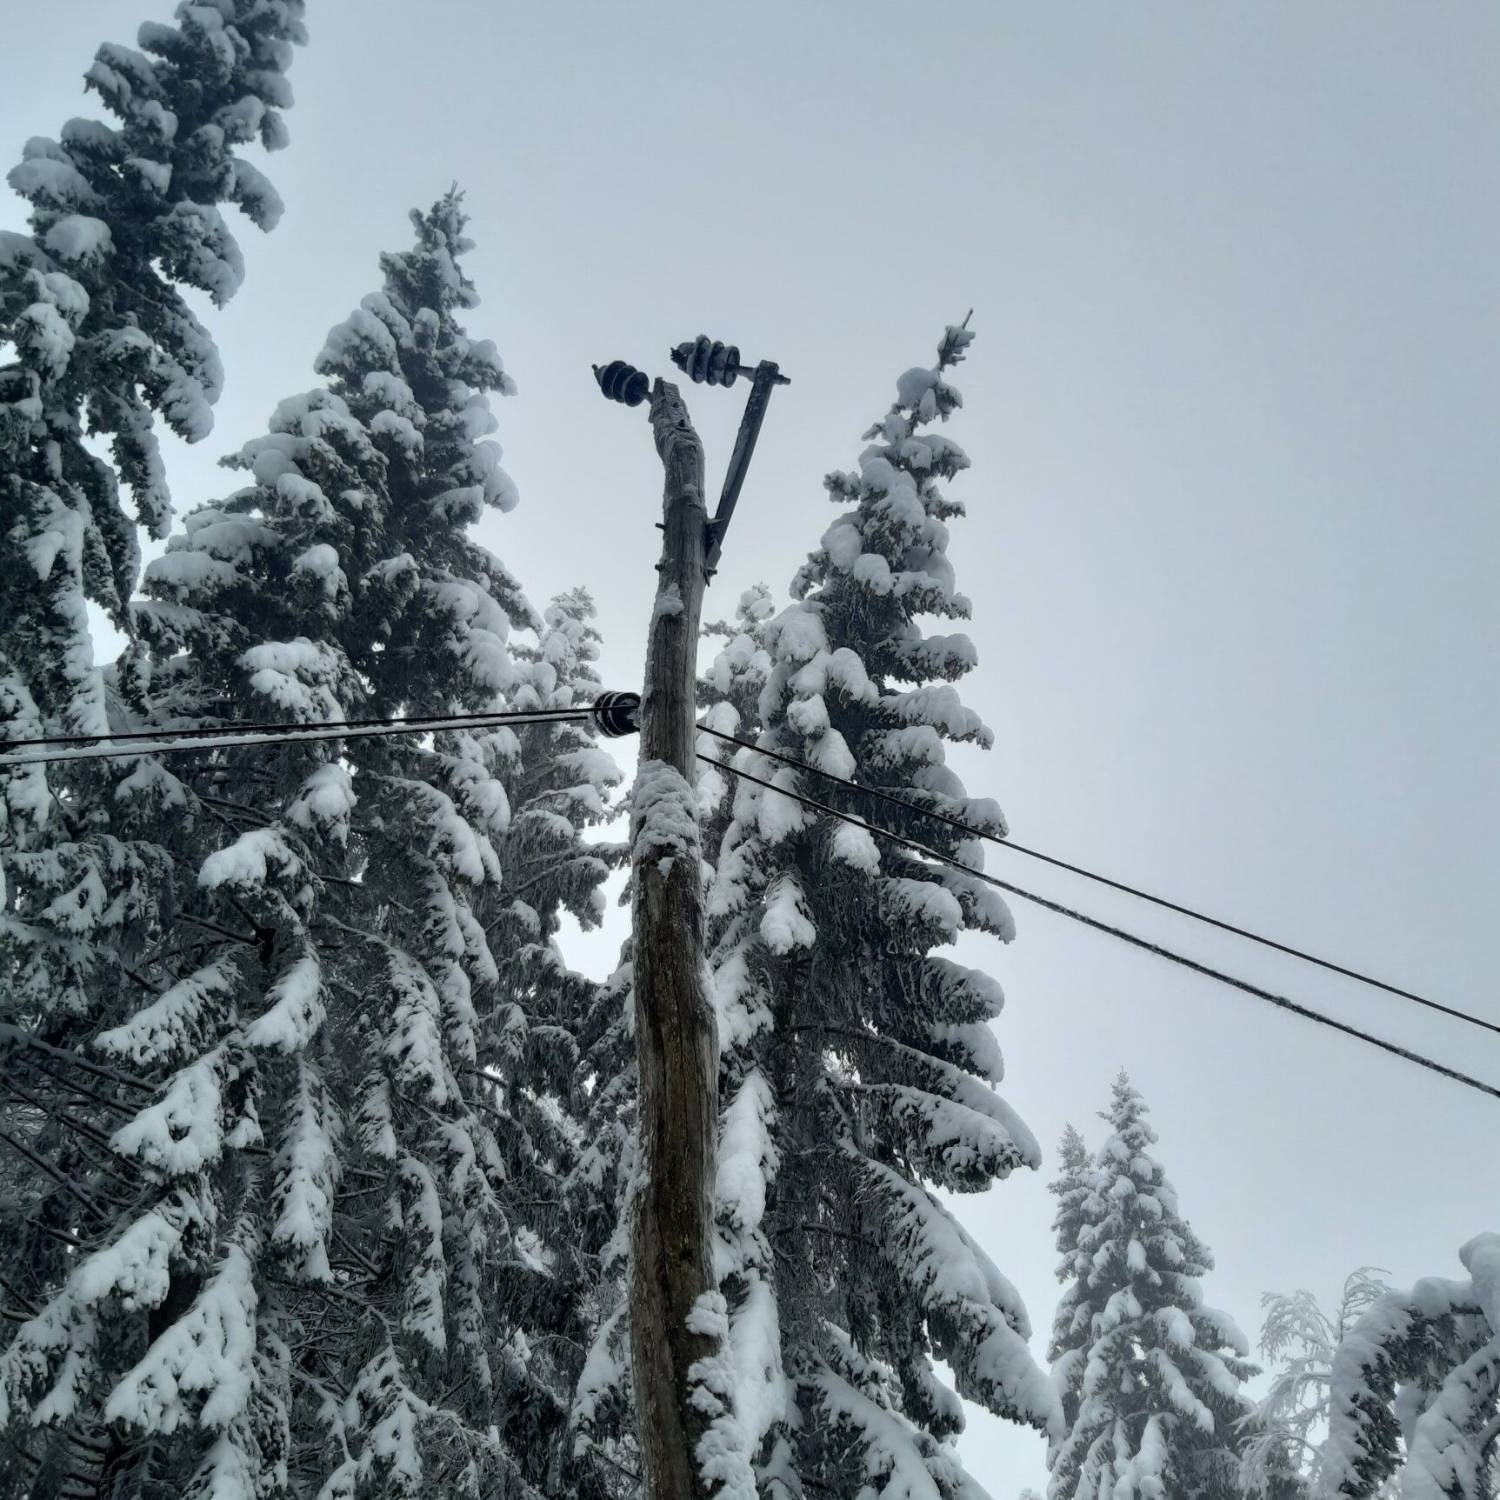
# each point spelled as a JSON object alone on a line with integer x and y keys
{"x": 1105, "y": 880}
{"x": 196, "y": 740}
{"x": 1281, "y": 1001}
{"x": 142, "y": 743}
{"x": 275, "y": 726}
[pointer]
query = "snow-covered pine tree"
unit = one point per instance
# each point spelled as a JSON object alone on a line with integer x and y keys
{"x": 96, "y": 338}
{"x": 1157, "y": 1408}
{"x": 318, "y": 1310}
{"x": 1292, "y": 1417}
{"x": 97, "y": 342}
{"x": 729, "y": 696}
{"x": 737, "y": 676}
{"x": 1072, "y": 1325}
{"x": 1415, "y": 1390}
{"x": 560, "y": 786}
{"x": 857, "y": 1064}
{"x": 601, "y": 1460}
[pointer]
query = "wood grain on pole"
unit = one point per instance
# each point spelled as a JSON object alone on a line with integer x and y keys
{"x": 677, "y": 1046}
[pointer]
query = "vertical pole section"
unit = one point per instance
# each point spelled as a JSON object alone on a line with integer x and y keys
{"x": 677, "y": 1045}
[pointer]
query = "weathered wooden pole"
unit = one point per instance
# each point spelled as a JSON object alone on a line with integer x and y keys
{"x": 677, "y": 1046}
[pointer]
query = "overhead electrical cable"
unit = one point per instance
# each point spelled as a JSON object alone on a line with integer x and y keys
{"x": 1281, "y": 1001}
{"x": 167, "y": 742}
{"x": 1118, "y": 885}
{"x": 607, "y": 713}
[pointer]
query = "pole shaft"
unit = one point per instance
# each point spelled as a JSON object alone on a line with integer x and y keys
{"x": 676, "y": 1034}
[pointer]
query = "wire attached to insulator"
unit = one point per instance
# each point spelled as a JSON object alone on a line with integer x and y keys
{"x": 616, "y": 714}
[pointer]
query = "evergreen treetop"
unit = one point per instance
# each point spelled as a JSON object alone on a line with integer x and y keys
{"x": 123, "y": 217}
{"x": 1152, "y": 1376}
{"x": 858, "y": 1067}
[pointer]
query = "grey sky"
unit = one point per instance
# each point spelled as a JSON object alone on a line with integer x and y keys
{"x": 1233, "y": 533}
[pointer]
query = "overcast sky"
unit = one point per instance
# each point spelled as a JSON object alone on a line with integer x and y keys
{"x": 1233, "y": 536}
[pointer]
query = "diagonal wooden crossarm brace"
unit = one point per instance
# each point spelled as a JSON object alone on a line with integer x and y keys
{"x": 767, "y": 377}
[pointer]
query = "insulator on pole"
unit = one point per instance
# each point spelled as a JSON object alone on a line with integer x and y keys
{"x": 622, "y": 382}
{"x": 617, "y": 714}
{"x": 705, "y": 360}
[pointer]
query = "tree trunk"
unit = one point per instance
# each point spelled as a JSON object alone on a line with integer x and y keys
{"x": 677, "y": 1047}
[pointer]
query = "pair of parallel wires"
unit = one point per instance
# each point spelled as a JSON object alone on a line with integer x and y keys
{"x": 65, "y": 748}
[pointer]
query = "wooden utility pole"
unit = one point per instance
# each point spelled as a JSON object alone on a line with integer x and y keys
{"x": 673, "y": 1324}
{"x": 677, "y": 1045}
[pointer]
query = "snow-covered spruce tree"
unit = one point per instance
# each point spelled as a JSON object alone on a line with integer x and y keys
{"x": 602, "y": 1457}
{"x": 1292, "y": 1417}
{"x": 96, "y": 337}
{"x": 857, "y": 1063}
{"x": 320, "y": 1308}
{"x": 97, "y": 340}
{"x": 1072, "y": 1324}
{"x": 1416, "y": 1390}
{"x": 559, "y": 786}
{"x": 729, "y": 695}
{"x": 1156, "y": 1411}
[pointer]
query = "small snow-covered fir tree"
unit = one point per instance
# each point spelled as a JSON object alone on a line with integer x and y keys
{"x": 602, "y": 1454}
{"x": 729, "y": 695}
{"x": 1415, "y": 1390}
{"x": 561, "y": 782}
{"x": 1302, "y": 1341}
{"x": 858, "y": 1066}
{"x": 1157, "y": 1407}
{"x": 560, "y": 787}
{"x": 322, "y": 1308}
{"x": 1072, "y": 1324}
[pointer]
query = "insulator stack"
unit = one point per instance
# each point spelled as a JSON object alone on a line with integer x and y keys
{"x": 622, "y": 382}
{"x": 705, "y": 360}
{"x": 617, "y": 714}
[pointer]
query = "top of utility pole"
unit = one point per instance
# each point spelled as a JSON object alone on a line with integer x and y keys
{"x": 707, "y": 362}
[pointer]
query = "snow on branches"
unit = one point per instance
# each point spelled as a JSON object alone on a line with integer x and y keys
{"x": 1150, "y": 1377}
{"x": 339, "y": 1126}
{"x": 857, "y": 1064}
{"x": 1417, "y": 1379}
